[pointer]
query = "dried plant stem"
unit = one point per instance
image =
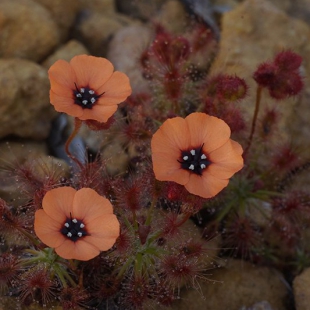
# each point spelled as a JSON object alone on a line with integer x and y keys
{"x": 257, "y": 105}
{"x": 77, "y": 126}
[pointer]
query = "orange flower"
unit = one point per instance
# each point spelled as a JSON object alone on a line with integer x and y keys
{"x": 78, "y": 224}
{"x": 87, "y": 87}
{"x": 196, "y": 152}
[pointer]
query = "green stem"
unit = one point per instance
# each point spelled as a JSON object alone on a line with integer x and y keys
{"x": 68, "y": 277}
{"x": 135, "y": 223}
{"x": 257, "y": 105}
{"x": 29, "y": 236}
{"x": 127, "y": 223}
{"x": 225, "y": 210}
{"x": 138, "y": 264}
{"x": 60, "y": 276}
{"x": 267, "y": 193}
{"x": 125, "y": 267}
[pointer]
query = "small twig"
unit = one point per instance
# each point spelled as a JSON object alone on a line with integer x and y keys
{"x": 257, "y": 105}
{"x": 77, "y": 126}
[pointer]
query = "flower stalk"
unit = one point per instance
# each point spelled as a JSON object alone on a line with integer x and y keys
{"x": 77, "y": 126}
{"x": 257, "y": 106}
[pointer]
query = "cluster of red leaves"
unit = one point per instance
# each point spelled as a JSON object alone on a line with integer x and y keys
{"x": 281, "y": 76}
{"x": 167, "y": 59}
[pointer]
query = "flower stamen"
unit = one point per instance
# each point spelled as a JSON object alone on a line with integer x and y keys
{"x": 73, "y": 229}
{"x": 194, "y": 160}
{"x": 85, "y": 97}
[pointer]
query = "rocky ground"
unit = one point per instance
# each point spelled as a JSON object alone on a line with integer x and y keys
{"x": 36, "y": 33}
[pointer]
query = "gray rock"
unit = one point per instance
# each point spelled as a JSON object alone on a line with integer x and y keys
{"x": 262, "y": 305}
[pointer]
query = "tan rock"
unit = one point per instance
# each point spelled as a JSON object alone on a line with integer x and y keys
{"x": 8, "y": 303}
{"x": 124, "y": 52}
{"x": 29, "y": 156}
{"x": 142, "y": 9}
{"x": 301, "y": 286}
{"x": 284, "y": 5}
{"x": 19, "y": 152}
{"x": 13, "y": 155}
{"x": 27, "y": 30}
{"x": 173, "y": 17}
{"x": 25, "y": 110}
{"x": 239, "y": 284}
{"x": 300, "y": 9}
{"x": 47, "y": 166}
{"x": 96, "y": 29}
{"x": 63, "y": 12}
{"x": 116, "y": 158}
{"x": 102, "y": 6}
{"x": 66, "y": 52}
{"x": 246, "y": 42}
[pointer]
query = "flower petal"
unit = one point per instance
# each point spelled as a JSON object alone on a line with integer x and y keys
{"x": 103, "y": 231}
{"x": 66, "y": 105}
{"x": 116, "y": 89}
{"x": 161, "y": 143}
{"x": 88, "y": 205}
{"x": 62, "y": 73}
{"x": 226, "y": 160}
{"x": 98, "y": 113}
{"x": 62, "y": 90}
{"x": 80, "y": 250}
{"x": 208, "y": 130}
{"x": 57, "y": 203}
{"x": 167, "y": 168}
{"x": 205, "y": 186}
{"x": 91, "y": 71}
{"x": 47, "y": 229}
{"x": 173, "y": 134}
{"x": 237, "y": 147}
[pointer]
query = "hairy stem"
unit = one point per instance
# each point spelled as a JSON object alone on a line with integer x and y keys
{"x": 77, "y": 126}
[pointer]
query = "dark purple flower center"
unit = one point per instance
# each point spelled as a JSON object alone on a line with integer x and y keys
{"x": 73, "y": 229}
{"x": 85, "y": 97}
{"x": 194, "y": 160}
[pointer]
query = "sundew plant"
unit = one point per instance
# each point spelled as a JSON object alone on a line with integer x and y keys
{"x": 95, "y": 239}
